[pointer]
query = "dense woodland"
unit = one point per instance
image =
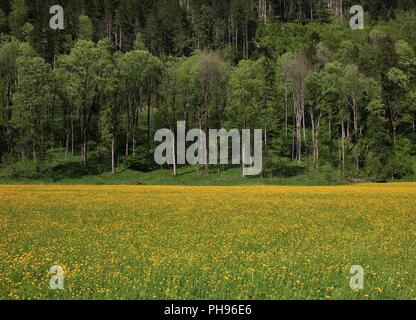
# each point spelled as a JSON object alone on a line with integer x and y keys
{"x": 326, "y": 96}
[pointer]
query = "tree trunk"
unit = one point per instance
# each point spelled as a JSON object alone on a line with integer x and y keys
{"x": 313, "y": 134}
{"x": 9, "y": 132}
{"x": 127, "y": 144}
{"x": 72, "y": 135}
{"x": 135, "y": 126}
{"x": 299, "y": 137}
{"x": 286, "y": 108}
{"x": 330, "y": 136}
{"x": 84, "y": 151}
{"x": 113, "y": 159}
{"x": 394, "y": 133}
{"x": 134, "y": 146}
{"x": 68, "y": 136}
{"x": 303, "y": 124}
{"x": 293, "y": 133}
{"x": 355, "y": 116}
{"x": 149, "y": 110}
{"x": 311, "y": 10}
{"x": 206, "y": 129}
{"x": 174, "y": 156}
{"x": 99, "y": 135}
{"x": 84, "y": 136}
{"x": 343, "y": 146}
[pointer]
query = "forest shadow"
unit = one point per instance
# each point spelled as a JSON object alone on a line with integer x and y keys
{"x": 77, "y": 170}
{"x": 284, "y": 168}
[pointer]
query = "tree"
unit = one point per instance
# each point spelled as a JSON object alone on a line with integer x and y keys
{"x": 212, "y": 76}
{"x": 333, "y": 102}
{"x": 139, "y": 72}
{"x": 314, "y": 105}
{"x": 378, "y": 141}
{"x": 407, "y": 63}
{"x": 110, "y": 115}
{"x": 85, "y": 28}
{"x": 9, "y": 52}
{"x": 128, "y": 21}
{"x": 167, "y": 30}
{"x": 139, "y": 44}
{"x": 247, "y": 89}
{"x": 32, "y": 104}
{"x": 399, "y": 83}
{"x": 152, "y": 79}
{"x": 296, "y": 68}
{"x": 247, "y": 85}
{"x": 355, "y": 86}
{"x": 392, "y": 79}
{"x": 204, "y": 27}
{"x": 170, "y": 98}
{"x": 3, "y": 21}
{"x": 18, "y": 18}
{"x": 66, "y": 89}
{"x": 82, "y": 62}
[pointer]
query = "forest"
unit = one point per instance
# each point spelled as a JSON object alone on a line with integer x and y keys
{"x": 327, "y": 97}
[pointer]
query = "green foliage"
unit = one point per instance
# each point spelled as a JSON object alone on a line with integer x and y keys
{"x": 32, "y": 104}
{"x": 85, "y": 28}
{"x": 247, "y": 90}
{"x": 141, "y": 163}
{"x": 401, "y": 164}
{"x": 3, "y": 21}
{"x": 18, "y": 18}
{"x": 283, "y": 167}
{"x": 139, "y": 44}
{"x": 334, "y": 99}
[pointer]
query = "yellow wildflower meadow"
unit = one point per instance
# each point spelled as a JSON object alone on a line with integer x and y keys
{"x": 150, "y": 242}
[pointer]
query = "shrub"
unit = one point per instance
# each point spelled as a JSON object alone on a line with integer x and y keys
{"x": 142, "y": 162}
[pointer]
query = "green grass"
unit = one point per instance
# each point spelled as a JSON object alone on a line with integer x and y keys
{"x": 169, "y": 242}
